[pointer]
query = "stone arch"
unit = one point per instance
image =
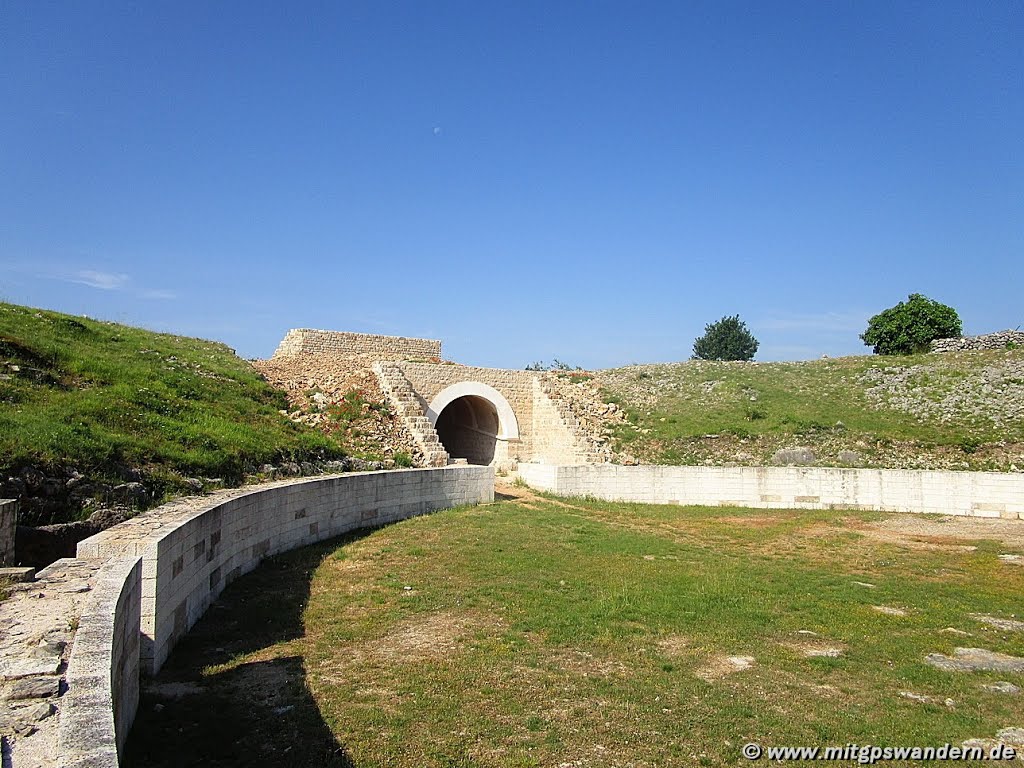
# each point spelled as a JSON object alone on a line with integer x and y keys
{"x": 508, "y": 424}
{"x": 474, "y": 422}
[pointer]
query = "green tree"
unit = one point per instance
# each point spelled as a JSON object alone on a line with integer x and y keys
{"x": 727, "y": 339}
{"x": 911, "y": 326}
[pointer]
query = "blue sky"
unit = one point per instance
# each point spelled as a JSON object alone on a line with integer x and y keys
{"x": 588, "y": 181}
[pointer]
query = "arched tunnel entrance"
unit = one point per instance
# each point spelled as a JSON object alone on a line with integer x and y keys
{"x": 468, "y": 429}
{"x": 475, "y": 422}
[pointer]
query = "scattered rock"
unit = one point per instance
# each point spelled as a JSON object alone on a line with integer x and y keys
{"x": 1008, "y": 625}
{"x": 1002, "y": 686}
{"x": 133, "y": 493}
{"x": 830, "y": 653}
{"x": 955, "y": 631}
{"x": 1012, "y": 736}
{"x": 799, "y": 455}
{"x": 976, "y": 660}
{"x": 850, "y": 457}
{"x": 920, "y": 697}
{"x": 1006, "y": 558}
{"x": 889, "y": 610}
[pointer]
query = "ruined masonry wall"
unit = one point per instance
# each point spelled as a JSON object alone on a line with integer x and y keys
{"x": 307, "y": 341}
{"x": 977, "y": 494}
{"x": 998, "y": 340}
{"x": 8, "y": 527}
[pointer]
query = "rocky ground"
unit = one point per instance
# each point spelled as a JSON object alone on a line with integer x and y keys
{"x": 343, "y": 398}
{"x": 598, "y": 419}
{"x": 956, "y": 411}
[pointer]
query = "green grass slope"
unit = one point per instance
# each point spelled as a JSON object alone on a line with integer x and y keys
{"x": 956, "y": 411}
{"x": 115, "y": 403}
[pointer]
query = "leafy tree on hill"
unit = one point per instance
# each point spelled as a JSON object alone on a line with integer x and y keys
{"x": 911, "y": 326}
{"x": 727, "y": 339}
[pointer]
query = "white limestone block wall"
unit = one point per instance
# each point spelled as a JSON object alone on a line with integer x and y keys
{"x": 189, "y": 555}
{"x": 979, "y": 494}
{"x": 164, "y": 568}
{"x": 99, "y": 707}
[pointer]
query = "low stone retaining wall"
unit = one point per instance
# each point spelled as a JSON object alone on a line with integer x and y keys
{"x": 103, "y": 673}
{"x": 981, "y": 494}
{"x": 998, "y": 340}
{"x": 189, "y": 555}
{"x": 160, "y": 571}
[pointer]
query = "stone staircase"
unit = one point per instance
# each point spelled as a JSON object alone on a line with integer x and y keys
{"x": 587, "y": 450}
{"x": 403, "y": 399}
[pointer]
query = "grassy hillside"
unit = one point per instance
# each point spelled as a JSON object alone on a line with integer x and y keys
{"x": 961, "y": 410}
{"x": 114, "y": 404}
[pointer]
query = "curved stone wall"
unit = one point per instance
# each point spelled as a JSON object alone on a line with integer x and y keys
{"x": 980, "y": 494}
{"x": 161, "y": 571}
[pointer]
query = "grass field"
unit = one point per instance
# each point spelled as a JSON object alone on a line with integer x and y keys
{"x": 103, "y": 397}
{"x": 956, "y": 411}
{"x": 544, "y": 632}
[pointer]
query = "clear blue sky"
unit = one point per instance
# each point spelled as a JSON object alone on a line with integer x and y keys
{"x": 590, "y": 181}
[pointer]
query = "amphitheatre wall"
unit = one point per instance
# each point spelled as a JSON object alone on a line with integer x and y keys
{"x": 977, "y": 494}
{"x": 153, "y": 577}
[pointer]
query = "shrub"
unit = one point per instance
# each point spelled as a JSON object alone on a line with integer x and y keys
{"x": 727, "y": 339}
{"x": 911, "y": 326}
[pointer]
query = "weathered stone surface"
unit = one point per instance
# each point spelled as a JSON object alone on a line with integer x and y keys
{"x": 36, "y": 713}
{"x": 998, "y": 340}
{"x": 976, "y": 660}
{"x": 133, "y": 493}
{"x": 1003, "y": 686}
{"x": 33, "y": 688}
{"x": 8, "y": 525}
{"x": 799, "y": 455}
{"x": 1012, "y": 736}
{"x": 889, "y": 610}
{"x": 27, "y": 663}
{"x": 17, "y": 573}
{"x": 1007, "y": 625}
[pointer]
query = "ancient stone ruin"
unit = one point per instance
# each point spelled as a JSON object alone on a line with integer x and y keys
{"x": 449, "y": 413}
{"x": 998, "y": 340}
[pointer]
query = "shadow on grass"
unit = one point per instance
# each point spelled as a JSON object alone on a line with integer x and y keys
{"x": 233, "y": 692}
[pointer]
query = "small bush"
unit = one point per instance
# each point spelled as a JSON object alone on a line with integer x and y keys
{"x": 970, "y": 445}
{"x": 752, "y": 413}
{"x": 402, "y": 459}
{"x": 911, "y": 326}
{"x": 726, "y": 339}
